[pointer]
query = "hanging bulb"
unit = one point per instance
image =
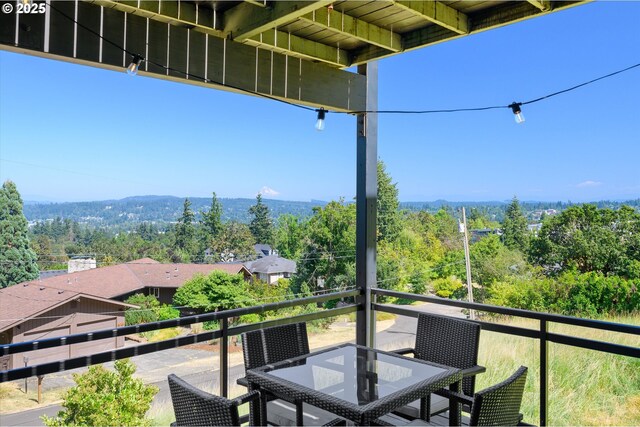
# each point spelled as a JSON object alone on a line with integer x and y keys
{"x": 320, "y": 121}
{"x": 132, "y": 69}
{"x": 515, "y": 107}
{"x": 25, "y": 2}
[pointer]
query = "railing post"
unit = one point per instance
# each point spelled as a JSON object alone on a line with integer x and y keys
{"x": 224, "y": 357}
{"x": 544, "y": 373}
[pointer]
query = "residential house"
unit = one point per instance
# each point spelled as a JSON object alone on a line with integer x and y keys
{"x": 271, "y": 268}
{"x": 86, "y": 301}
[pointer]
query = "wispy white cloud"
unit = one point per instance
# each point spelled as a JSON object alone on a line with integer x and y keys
{"x": 586, "y": 184}
{"x": 266, "y": 191}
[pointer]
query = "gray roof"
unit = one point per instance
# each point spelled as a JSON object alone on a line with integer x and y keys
{"x": 262, "y": 249}
{"x": 271, "y": 264}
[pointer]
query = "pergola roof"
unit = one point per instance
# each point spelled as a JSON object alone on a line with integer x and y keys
{"x": 291, "y": 50}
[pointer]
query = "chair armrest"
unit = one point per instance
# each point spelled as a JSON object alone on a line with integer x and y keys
{"x": 243, "y": 382}
{"x": 458, "y": 397}
{"x": 248, "y": 397}
{"x": 474, "y": 370}
{"x": 403, "y": 351}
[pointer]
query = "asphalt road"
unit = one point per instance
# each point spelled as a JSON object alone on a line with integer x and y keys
{"x": 156, "y": 366}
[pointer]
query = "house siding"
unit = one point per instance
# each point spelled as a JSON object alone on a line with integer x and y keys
{"x": 85, "y": 315}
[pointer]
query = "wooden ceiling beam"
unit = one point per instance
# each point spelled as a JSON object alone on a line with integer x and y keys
{"x": 505, "y": 14}
{"x": 246, "y": 20}
{"x": 179, "y": 54}
{"x": 543, "y": 5}
{"x": 438, "y": 13}
{"x": 301, "y": 47}
{"x": 185, "y": 14}
{"x": 342, "y": 23}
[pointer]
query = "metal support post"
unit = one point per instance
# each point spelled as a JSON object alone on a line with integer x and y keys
{"x": 366, "y": 204}
{"x": 544, "y": 373}
{"x": 224, "y": 357}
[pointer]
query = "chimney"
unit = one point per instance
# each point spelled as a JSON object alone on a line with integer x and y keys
{"x": 81, "y": 264}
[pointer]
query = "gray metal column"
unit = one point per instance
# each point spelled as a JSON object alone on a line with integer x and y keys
{"x": 366, "y": 205}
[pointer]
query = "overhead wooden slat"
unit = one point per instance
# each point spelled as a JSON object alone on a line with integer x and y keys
{"x": 543, "y": 5}
{"x": 301, "y": 47}
{"x": 438, "y": 13}
{"x": 500, "y": 15}
{"x": 226, "y": 64}
{"x": 246, "y": 20}
{"x": 357, "y": 28}
{"x": 186, "y": 14}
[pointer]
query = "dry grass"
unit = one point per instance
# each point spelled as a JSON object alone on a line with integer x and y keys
{"x": 13, "y": 399}
{"x": 586, "y": 387}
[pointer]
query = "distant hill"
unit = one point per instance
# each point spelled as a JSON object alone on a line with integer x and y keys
{"x": 130, "y": 211}
{"x": 127, "y": 213}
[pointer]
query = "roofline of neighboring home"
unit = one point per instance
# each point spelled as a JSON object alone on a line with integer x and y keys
{"x": 62, "y": 302}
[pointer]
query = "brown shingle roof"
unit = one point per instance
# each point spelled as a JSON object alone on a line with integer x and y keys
{"x": 28, "y": 299}
{"x": 121, "y": 279}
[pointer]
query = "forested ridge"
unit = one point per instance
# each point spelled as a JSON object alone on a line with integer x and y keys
{"x": 577, "y": 259}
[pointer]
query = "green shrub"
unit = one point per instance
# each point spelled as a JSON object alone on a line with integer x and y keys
{"x": 150, "y": 310}
{"x": 106, "y": 398}
{"x": 446, "y": 287}
{"x": 572, "y": 293}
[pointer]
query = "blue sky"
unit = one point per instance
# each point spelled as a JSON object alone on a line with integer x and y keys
{"x": 71, "y": 133}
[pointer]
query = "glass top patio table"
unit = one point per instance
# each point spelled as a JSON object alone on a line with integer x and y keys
{"x": 354, "y": 382}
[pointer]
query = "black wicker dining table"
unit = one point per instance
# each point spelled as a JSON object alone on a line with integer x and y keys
{"x": 354, "y": 382}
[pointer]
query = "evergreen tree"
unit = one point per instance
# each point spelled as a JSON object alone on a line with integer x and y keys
{"x": 18, "y": 262}
{"x": 212, "y": 220}
{"x": 261, "y": 225}
{"x": 514, "y": 227}
{"x": 389, "y": 225}
{"x": 185, "y": 230}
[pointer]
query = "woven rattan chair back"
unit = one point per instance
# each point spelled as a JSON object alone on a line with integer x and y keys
{"x": 274, "y": 344}
{"x": 448, "y": 341}
{"x": 194, "y": 407}
{"x": 499, "y": 405}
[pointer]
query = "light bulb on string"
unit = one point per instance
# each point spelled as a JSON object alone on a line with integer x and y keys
{"x": 132, "y": 69}
{"x": 26, "y": 2}
{"x": 320, "y": 121}
{"x": 515, "y": 107}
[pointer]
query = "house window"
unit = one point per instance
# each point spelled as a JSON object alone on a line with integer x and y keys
{"x": 155, "y": 292}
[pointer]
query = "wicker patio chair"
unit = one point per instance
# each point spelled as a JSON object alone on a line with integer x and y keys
{"x": 272, "y": 345}
{"x": 498, "y": 405}
{"x": 194, "y": 407}
{"x": 447, "y": 341}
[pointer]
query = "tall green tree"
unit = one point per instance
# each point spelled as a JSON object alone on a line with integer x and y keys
{"x": 588, "y": 239}
{"x": 261, "y": 225}
{"x": 389, "y": 224}
{"x": 212, "y": 219}
{"x": 328, "y": 259}
{"x": 514, "y": 227}
{"x": 18, "y": 262}
{"x": 289, "y": 236}
{"x": 185, "y": 230}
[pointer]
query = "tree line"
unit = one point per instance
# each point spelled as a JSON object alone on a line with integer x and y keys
{"x": 585, "y": 259}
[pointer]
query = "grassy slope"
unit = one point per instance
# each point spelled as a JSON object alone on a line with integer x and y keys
{"x": 586, "y": 387}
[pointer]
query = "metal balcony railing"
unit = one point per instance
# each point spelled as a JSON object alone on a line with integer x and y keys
{"x": 542, "y": 334}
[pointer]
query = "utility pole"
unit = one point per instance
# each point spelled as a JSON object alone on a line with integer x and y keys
{"x": 467, "y": 260}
